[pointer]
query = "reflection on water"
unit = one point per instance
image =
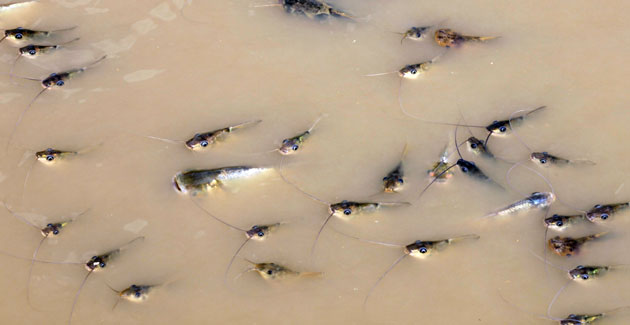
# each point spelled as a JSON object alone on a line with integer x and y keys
{"x": 179, "y": 68}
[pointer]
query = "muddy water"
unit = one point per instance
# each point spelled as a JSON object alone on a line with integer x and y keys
{"x": 226, "y": 62}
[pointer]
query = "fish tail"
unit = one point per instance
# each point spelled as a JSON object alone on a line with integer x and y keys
{"x": 595, "y": 236}
{"x": 480, "y": 38}
{"x": 311, "y": 274}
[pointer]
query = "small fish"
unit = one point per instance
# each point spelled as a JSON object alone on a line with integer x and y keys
{"x": 561, "y": 222}
{"x": 440, "y": 168}
{"x": 292, "y": 145}
{"x": 312, "y": 9}
{"x": 201, "y": 141}
{"x": 538, "y": 200}
{"x": 32, "y": 51}
{"x": 415, "y": 33}
{"x": 417, "y": 249}
{"x": 502, "y": 127}
{"x": 203, "y": 180}
{"x": 394, "y": 180}
{"x": 545, "y": 158}
{"x": 602, "y": 212}
{"x": 136, "y": 293}
{"x": 23, "y": 34}
{"x": 567, "y": 246}
{"x": 273, "y": 271}
{"x": 52, "y": 229}
{"x": 447, "y": 38}
{"x": 50, "y": 82}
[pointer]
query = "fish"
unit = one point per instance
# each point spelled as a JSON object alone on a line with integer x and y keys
{"x": 446, "y": 37}
{"x": 441, "y": 168}
{"x": 32, "y": 51}
{"x": 394, "y": 180}
{"x": 313, "y": 9}
{"x": 415, "y": 33}
{"x": 538, "y": 200}
{"x": 203, "y": 180}
{"x": 50, "y": 82}
{"x": 292, "y": 145}
{"x": 418, "y": 249}
{"x": 201, "y": 141}
{"x": 24, "y": 34}
{"x": 274, "y": 271}
{"x": 601, "y": 212}
{"x": 568, "y": 246}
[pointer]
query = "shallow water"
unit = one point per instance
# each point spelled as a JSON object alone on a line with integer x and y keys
{"x": 227, "y": 62}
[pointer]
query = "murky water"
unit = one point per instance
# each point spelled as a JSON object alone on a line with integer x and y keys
{"x": 228, "y": 62}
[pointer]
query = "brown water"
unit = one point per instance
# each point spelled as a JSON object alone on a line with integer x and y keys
{"x": 170, "y": 77}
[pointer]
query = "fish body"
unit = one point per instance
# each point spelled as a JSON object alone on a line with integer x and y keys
{"x": 312, "y": 9}
{"x": 136, "y": 293}
{"x": 32, "y": 50}
{"x": 470, "y": 168}
{"x": 446, "y": 37}
{"x": 544, "y": 158}
{"x": 602, "y": 212}
{"x": 292, "y": 145}
{"x": 202, "y": 140}
{"x": 440, "y": 168}
{"x": 502, "y": 127}
{"x": 261, "y": 232}
{"x": 561, "y": 222}
{"x": 21, "y": 34}
{"x": 567, "y": 246}
{"x": 50, "y": 156}
{"x": 99, "y": 261}
{"x": 53, "y": 228}
{"x": 416, "y": 33}
{"x": 273, "y": 271}
{"x": 422, "y": 249}
{"x": 584, "y": 273}
{"x": 413, "y": 71}
{"x": 477, "y": 146}
{"x": 574, "y": 319}
{"x": 394, "y": 180}
{"x": 536, "y": 200}
{"x": 203, "y": 180}
{"x": 348, "y": 209}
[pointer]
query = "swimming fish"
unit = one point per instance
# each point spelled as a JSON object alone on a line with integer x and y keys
{"x": 257, "y": 233}
{"x": 446, "y": 37}
{"x": 23, "y": 34}
{"x": 394, "y": 180}
{"x": 545, "y": 158}
{"x": 441, "y": 168}
{"x": 417, "y": 249}
{"x": 415, "y": 33}
{"x": 50, "y": 82}
{"x": 567, "y": 246}
{"x": 312, "y": 9}
{"x": 201, "y": 141}
{"x": 32, "y": 51}
{"x": 602, "y": 212}
{"x": 538, "y": 200}
{"x": 273, "y": 271}
{"x": 203, "y": 180}
{"x": 292, "y": 145}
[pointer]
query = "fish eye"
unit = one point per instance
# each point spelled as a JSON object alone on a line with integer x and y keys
{"x": 32, "y": 52}
{"x": 422, "y": 250}
{"x": 502, "y": 129}
{"x": 473, "y": 145}
{"x": 384, "y": 178}
{"x": 401, "y": 180}
{"x": 56, "y": 232}
{"x": 204, "y": 143}
{"x": 102, "y": 264}
{"x": 604, "y": 216}
{"x": 60, "y": 83}
{"x": 50, "y": 157}
{"x": 347, "y": 212}
{"x": 464, "y": 169}
{"x": 295, "y": 147}
{"x": 559, "y": 223}
{"x": 585, "y": 276}
{"x": 260, "y": 234}
{"x": 543, "y": 160}
{"x": 413, "y": 71}
{"x": 138, "y": 294}
{"x": 49, "y": 225}
{"x": 94, "y": 257}
{"x": 270, "y": 272}
{"x": 18, "y": 35}
{"x": 285, "y": 141}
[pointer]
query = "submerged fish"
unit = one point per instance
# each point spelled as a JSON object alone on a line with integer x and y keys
{"x": 292, "y": 145}
{"x": 567, "y": 246}
{"x": 24, "y": 34}
{"x": 439, "y": 170}
{"x": 312, "y": 9}
{"x": 50, "y": 155}
{"x": 394, "y": 180}
{"x": 446, "y": 38}
{"x": 203, "y": 180}
{"x": 273, "y": 271}
{"x": 545, "y": 158}
{"x": 202, "y": 140}
{"x": 538, "y": 200}
{"x": 602, "y": 212}
{"x": 415, "y": 33}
